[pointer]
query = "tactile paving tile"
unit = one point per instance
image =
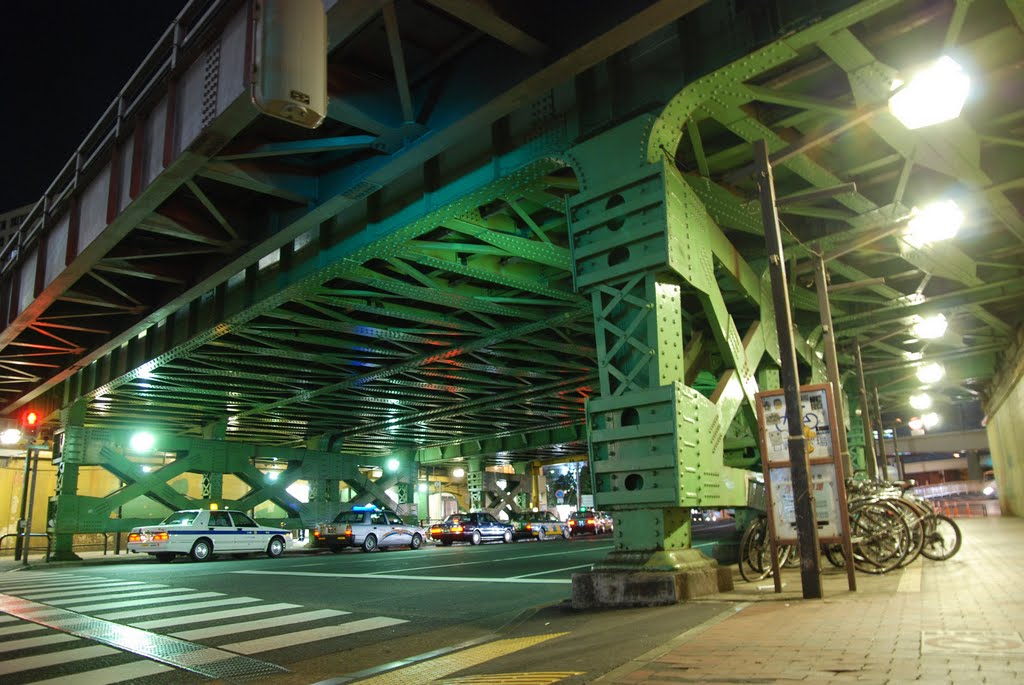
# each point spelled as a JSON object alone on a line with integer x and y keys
{"x": 189, "y": 656}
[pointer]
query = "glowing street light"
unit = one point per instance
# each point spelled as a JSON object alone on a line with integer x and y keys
{"x": 393, "y": 465}
{"x": 936, "y": 221}
{"x": 11, "y": 436}
{"x": 931, "y": 419}
{"x": 142, "y": 442}
{"x": 930, "y": 373}
{"x": 935, "y": 94}
{"x": 931, "y": 327}
{"x": 921, "y": 401}
{"x": 458, "y": 472}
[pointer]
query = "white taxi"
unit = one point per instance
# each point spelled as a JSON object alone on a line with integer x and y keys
{"x": 200, "y": 533}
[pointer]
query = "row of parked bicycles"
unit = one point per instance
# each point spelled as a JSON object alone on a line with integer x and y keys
{"x": 890, "y": 527}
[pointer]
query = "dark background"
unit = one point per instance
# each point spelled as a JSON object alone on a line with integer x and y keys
{"x": 61, "y": 64}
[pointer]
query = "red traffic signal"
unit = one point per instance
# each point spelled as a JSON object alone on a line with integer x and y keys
{"x": 30, "y": 421}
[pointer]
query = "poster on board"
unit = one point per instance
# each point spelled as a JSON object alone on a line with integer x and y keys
{"x": 815, "y": 418}
{"x": 826, "y": 501}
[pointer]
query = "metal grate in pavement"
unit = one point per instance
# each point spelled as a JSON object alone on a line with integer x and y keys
{"x": 189, "y": 656}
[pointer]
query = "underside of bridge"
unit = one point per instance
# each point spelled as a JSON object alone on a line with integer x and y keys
{"x": 526, "y": 232}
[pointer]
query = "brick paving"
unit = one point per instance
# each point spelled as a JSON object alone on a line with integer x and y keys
{"x": 955, "y": 621}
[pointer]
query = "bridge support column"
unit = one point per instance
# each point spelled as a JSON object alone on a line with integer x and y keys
{"x": 656, "y": 443}
{"x": 62, "y": 518}
{"x": 475, "y": 484}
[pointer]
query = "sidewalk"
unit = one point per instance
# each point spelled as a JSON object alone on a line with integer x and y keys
{"x": 957, "y": 621}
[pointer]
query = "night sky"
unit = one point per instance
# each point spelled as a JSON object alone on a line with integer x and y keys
{"x": 61, "y": 64}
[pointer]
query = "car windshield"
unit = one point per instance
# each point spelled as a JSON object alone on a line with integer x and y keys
{"x": 180, "y": 518}
{"x": 349, "y": 517}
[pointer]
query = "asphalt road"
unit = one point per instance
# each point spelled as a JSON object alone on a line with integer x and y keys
{"x": 344, "y": 617}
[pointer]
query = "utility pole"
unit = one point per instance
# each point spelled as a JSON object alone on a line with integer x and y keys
{"x": 803, "y": 500}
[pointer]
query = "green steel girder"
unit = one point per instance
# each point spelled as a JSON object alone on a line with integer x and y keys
{"x": 571, "y": 434}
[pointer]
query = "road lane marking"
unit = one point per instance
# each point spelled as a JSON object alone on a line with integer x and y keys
{"x": 535, "y": 678}
{"x": 396, "y": 576}
{"x": 140, "y": 602}
{"x": 491, "y": 561}
{"x": 109, "y": 675}
{"x": 67, "y": 600}
{"x": 64, "y": 591}
{"x": 31, "y": 642}
{"x": 287, "y": 640}
{"x": 29, "y": 663}
{"x": 20, "y": 628}
{"x": 213, "y": 616}
{"x": 261, "y": 624}
{"x": 177, "y": 608}
{"x": 554, "y": 570}
{"x": 435, "y": 669}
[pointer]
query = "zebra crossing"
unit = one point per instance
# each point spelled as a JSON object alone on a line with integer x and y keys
{"x": 36, "y": 647}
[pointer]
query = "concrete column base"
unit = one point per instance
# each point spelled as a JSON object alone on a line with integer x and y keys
{"x": 643, "y": 579}
{"x": 63, "y": 556}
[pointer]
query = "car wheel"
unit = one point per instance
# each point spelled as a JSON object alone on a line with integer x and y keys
{"x": 417, "y": 541}
{"x": 370, "y": 543}
{"x": 202, "y": 550}
{"x": 542, "y": 535}
{"x": 446, "y": 543}
{"x": 475, "y": 538}
{"x": 275, "y": 548}
{"x": 164, "y": 557}
{"x": 507, "y": 537}
{"x": 566, "y": 533}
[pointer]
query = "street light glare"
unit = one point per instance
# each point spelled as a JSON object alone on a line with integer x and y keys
{"x": 142, "y": 442}
{"x": 921, "y": 402}
{"x": 930, "y": 373}
{"x": 930, "y": 420}
{"x": 393, "y": 465}
{"x": 931, "y": 327}
{"x": 934, "y": 95}
{"x": 936, "y": 221}
{"x": 458, "y": 472}
{"x": 10, "y": 436}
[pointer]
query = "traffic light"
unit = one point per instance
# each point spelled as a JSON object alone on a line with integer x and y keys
{"x": 30, "y": 422}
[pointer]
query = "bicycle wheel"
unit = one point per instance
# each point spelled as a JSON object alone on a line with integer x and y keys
{"x": 914, "y": 517}
{"x": 880, "y": 535}
{"x": 752, "y": 550}
{"x": 942, "y": 537}
{"x": 834, "y": 553}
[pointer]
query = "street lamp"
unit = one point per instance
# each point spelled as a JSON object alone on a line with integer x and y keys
{"x": 931, "y": 327}
{"x": 934, "y": 94}
{"x": 921, "y": 401}
{"x": 458, "y": 472}
{"x": 936, "y": 221}
{"x": 930, "y": 373}
{"x": 930, "y": 420}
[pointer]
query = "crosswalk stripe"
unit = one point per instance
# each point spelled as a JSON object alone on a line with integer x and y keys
{"x": 212, "y": 616}
{"x": 30, "y": 642}
{"x": 176, "y": 608}
{"x": 71, "y": 597}
{"x": 22, "y": 628}
{"x": 140, "y": 602}
{"x": 262, "y": 624}
{"x": 28, "y": 663}
{"x": 109, "y": 675}
{"x": 53, "y": 594}
{"x": 284, "y": 640}
{"x": 7, "y": 619}
{"x": 53, "y": 584}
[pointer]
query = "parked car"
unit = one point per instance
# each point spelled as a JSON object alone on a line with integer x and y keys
{"x": 369, "y": 528}
{"x": 473, "y": 527}
{"x": 541, "y": 525}
{"x": 201, "y": 533}
{"x": 594, "y": 522}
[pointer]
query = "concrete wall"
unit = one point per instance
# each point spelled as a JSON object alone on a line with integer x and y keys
{"x": 1006, "y": 439}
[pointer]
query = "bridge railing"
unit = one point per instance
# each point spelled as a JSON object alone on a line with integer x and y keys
{"x": 183, "y": 36}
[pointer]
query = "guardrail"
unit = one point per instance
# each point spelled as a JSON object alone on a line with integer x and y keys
{"x": 966, "y": 508}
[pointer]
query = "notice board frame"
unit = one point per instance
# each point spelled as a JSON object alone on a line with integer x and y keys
{"x": 818, "y": 414}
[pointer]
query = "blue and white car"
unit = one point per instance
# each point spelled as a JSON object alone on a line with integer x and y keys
{"x": 201, "y": 533}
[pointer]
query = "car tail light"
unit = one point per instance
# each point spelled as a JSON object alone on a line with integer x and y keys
{"x": 162, "y": 536}
{"x": 457, "y": 529}
{"x": 435, "y": 529}
{"x": 572, "y": 523}
{"x": 529, "y": 526}
{"x": 317, "y": 534}
{"x": 348, "y": 531}
{"x": 134, "y": 537}
{"x": 590, "y": 522}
